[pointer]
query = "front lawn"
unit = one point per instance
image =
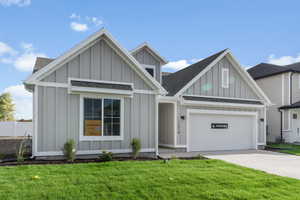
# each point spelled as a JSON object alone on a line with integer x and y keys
{"x": 178, "y": 179}
{"x": 286, "y": 148}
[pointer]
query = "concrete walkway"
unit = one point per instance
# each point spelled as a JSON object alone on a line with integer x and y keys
{"x": 270, "y": 162}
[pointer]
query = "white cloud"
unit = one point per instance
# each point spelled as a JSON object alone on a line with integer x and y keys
{"x": 82, "y": 24}
{"x": 74, "y": 16}
{"x": 94, "y": 20}
{"x": 25, "y": 62}
{"x": 22, "y": 100}
{"x": 180, "y": 64}
{"x": 79, "y": 27}
{"x": 284, "y": 60}
{"x": 6, "y": 49}
{"x": 19, "y": 3}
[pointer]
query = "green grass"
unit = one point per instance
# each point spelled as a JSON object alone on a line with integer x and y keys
{"x": 177, "y": 179}
{"x": 287, "y": 148}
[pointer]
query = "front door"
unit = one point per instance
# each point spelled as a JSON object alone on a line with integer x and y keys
{"x": 296, "y": 126}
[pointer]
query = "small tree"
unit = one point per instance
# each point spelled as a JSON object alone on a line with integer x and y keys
{"x": 136, "y": 147}
{"x": 7, "y": 107}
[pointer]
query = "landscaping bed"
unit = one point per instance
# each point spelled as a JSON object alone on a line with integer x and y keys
{"x": 176, "y": 179}
{"x": 284, "y": 148}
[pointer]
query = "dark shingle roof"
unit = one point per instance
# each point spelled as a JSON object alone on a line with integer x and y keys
{"x": 101, "y": 85}
{"x": 221, "y": 100}
{"x": 294, "y": 105}
{"x": 263, "y": 70}
{"x": 40, "y": 63}
{"x": 175, "y": 81}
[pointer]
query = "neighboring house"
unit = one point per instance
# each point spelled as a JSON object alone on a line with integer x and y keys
{"x": 103, "y": 96}
{"x": 282, "y": 85}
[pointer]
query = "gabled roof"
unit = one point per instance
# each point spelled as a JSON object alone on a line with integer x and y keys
{"x": 58, "y": 62}
{"x": 177, "y": 80}
{"x": 151, "y": 50}
{"x": 41, "y": 62}
{"x": 264, "y": 70}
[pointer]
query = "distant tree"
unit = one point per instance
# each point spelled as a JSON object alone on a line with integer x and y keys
{"x": 7, "y": 107}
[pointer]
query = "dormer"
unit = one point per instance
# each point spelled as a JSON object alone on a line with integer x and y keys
{"x": 149, "y": 59}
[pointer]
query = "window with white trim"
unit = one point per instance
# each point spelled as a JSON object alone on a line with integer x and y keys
{"x": 225, "y": 77}
{"x": 150, "y": 69}
{"x": 101, "y": 118}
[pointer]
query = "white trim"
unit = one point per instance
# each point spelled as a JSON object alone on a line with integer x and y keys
{"x": 100, "y": 138}
{"x": 299, "y": 80}
{"x": 132, "y": 62}
{"x": 145, "y": 92}
{"x": 220, "y": 97}
{"x": 172, "y": 146}
{"x": 92, "y": 152}
{"x": 289, "y": 89}
{"x": 152, "y": 51}
{"x": 225, "y": 72}
{"x": 219, "y": 104}
{"x": 190, "y": 83}
{"x": 282, "y": 89}
{"x": 265, "y": 124}
{"x": 199, "y": 111}
{"x": 51, "y": 84}
{"x": 35, "y": 120}
{"x": 150, "y": 67}
{"x": 156, "y": 126}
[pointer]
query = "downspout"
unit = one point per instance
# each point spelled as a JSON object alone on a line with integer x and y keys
{"x": 281, "y": 136}
{"x": 291, "y": 88}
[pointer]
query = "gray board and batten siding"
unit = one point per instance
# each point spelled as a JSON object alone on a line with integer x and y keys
{"x": 144, "y": 57}
{"x": 210, "y": 83}
{"x": 58, "y": 111}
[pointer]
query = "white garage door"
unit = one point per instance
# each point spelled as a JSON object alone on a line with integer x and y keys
{"x": 211, "y": 131}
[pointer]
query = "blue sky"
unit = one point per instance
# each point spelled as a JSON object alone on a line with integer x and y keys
{"x": 182, "y": 31}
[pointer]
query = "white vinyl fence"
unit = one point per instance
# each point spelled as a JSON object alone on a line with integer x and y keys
{"x": 13, "y": 129}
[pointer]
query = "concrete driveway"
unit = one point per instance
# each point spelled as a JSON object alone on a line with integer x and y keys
{"x": 270, "y": 162}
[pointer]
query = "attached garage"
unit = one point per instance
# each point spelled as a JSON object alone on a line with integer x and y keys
{"x": 211, "y": 130}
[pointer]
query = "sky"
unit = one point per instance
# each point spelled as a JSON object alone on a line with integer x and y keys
{"x": 182, "y": 31}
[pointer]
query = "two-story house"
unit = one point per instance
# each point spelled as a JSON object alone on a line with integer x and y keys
{"x": 282, "y": 85}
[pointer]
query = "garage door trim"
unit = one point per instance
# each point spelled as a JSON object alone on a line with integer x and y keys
{"x": 222, "y": 112}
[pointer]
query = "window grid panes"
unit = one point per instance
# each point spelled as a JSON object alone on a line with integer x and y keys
{"x": 93, "y": 116}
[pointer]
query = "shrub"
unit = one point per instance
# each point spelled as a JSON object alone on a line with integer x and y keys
{"x": 106, "y": 156}
{"x": 20, "y": 154}
{"x": 70, "y": 150}
{"x": 2, "y": 156}
{"x": 136, "y": 147}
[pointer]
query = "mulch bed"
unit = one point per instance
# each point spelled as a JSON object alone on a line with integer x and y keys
{"x": 77, "y": 161}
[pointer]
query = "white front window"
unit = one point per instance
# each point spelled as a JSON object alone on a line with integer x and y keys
{"x": 101, "y": 118}
{"x": 225, "y": 77}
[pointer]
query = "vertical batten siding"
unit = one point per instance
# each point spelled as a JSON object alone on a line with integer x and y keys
{"x": 144, "y": 57}
{"x": 182, "y": 111}
{"x": 210, "y": 83}
{"x": 59, "y": 121}
{"x": 99, "y": 62}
